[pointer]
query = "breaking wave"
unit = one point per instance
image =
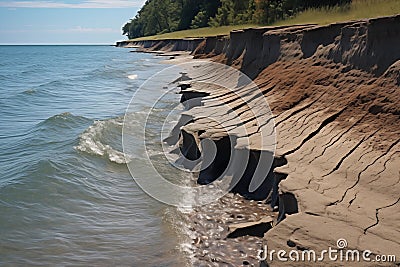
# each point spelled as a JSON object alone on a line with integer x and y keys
{"x": 103, "y": 139}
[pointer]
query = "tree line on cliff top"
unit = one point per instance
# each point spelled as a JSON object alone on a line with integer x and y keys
{"x": 162, "y": 16}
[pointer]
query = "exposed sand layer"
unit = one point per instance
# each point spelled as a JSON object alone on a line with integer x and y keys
{"x": 334, "y": 95}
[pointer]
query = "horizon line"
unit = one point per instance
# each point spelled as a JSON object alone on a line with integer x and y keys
{"x": 8, "y": 44}
{"x": 85, "y": 4}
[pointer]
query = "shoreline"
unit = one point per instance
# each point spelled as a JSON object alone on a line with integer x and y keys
{"x": 333, "y": 92}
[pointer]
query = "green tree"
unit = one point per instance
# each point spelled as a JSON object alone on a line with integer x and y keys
{"x": 200, "y": 20}
{"x": 224, "y": 15}
{"x": 159, "y": 16}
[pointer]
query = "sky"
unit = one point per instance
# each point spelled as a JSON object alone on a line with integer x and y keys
{"x": 65, "y": 21}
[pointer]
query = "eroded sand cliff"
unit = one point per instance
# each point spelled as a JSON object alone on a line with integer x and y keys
{"x": 334, "y": 95}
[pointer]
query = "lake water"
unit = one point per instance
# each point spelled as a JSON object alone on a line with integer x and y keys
{"x": 66, "y": 196}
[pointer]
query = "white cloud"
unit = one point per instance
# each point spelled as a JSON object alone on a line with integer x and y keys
{"x": 83, "y": 4}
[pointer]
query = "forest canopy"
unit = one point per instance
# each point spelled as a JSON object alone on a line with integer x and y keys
{"x": 162, "y": 16}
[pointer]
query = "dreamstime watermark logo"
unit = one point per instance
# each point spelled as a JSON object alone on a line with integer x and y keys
{"x": 215, "y": 148}
{"x": 338, "y": 254}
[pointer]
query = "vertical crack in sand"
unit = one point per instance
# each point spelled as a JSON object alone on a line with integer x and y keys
{"x": 377, "y": 215}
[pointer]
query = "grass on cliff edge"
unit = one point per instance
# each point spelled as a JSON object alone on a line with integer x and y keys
{"x": 358, "y": 9}
{"x": 201, "y": 32}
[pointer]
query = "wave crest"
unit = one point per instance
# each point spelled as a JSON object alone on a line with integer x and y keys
{"x": 94, "y": 140}
{"x": 62, "y": 121}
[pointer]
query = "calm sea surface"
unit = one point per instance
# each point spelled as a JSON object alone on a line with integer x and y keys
{"x": 66, "y": 196}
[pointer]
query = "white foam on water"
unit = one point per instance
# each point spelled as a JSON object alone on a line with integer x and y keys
{"x": 90, "y": 141}
{"x": 132, "y": 76}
